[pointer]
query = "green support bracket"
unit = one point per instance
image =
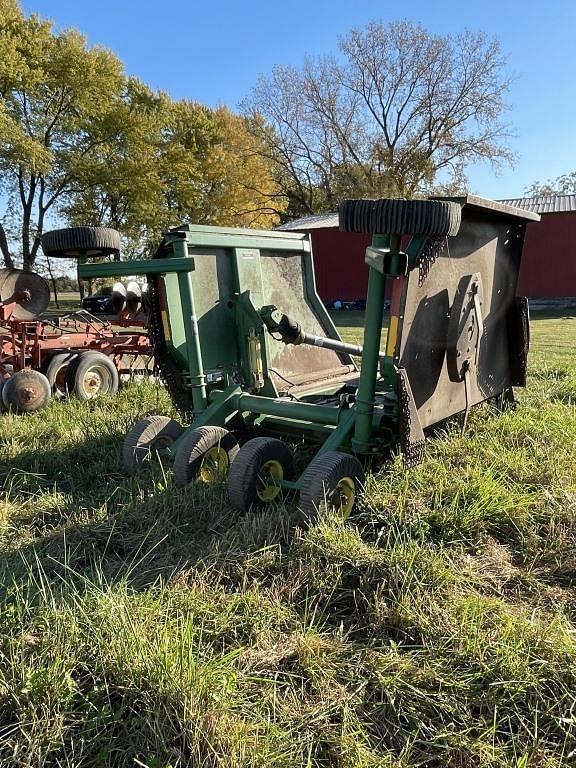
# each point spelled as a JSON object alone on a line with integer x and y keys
{"x": 144, "y": 267}
{"x": 226, "y": 238}
{"x": 389, "y": 263}
{"x": 362, "y": 440}
{"x": 389, "y": 364}
{"x": 222, "y": 407}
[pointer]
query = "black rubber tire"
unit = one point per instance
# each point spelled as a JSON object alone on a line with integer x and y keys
{"x": 193, "y": 447}
{"x": 9, "y": 369}
{"x": 26, "y": 391}
{"x": 400, "y": 217}
{"x": 146, "y": 436}
{"x": 243, "y": 480}
{"x": 320, "y": 481}
{"x": 56, "y": 369}
{"x": 81, "y": 241}
{"x": 101, "y": 367}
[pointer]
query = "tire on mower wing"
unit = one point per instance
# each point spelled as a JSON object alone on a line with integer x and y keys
{"x": 206, "y": 454}
{"x": 92, "y": 374}
{"x": 434, "y": 218}
{"x": 145, "y": 438}
{"x": 81, "y": 241}
{"x": 259, "y": 462}
{"x": 330, "y": 483}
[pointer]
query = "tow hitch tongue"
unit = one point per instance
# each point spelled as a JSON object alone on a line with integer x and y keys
{"x": 283, "y": 328}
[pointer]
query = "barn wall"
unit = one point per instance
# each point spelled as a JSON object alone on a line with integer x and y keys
{"x": 549, "y": 257}
{"x": 548, "y": 260}
{"x": 339, "y": 264}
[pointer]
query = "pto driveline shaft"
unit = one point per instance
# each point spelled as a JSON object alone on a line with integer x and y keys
{"x": 289, "y": 331}
{"x": 338, "y": 346}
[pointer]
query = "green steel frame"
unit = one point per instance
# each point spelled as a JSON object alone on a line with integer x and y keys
{"x": 361, "y": 423}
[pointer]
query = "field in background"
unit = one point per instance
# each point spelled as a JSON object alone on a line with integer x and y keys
{"x": 146, "y": 625}
{"x": 67, "y": 302}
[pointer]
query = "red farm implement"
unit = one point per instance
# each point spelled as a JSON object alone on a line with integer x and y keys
{"x": 78, "y": 353}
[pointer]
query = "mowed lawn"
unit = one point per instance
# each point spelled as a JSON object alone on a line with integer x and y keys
{"x": 146, "y": 625}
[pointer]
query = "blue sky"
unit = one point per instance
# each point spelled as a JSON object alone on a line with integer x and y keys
{"x": 213, "y": 52}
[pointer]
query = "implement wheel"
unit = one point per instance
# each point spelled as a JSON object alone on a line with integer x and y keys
{"x": 400, "y": 217}
{"x": 26, "y": 391}
{"x": 146, "y": 438}
{"x": 259, "y": 463}
{"x": 56, "y": 371}
{"x": 92, "y": 374}
{"x": 81, "y": 241}
{"x": 205, "y": 454}
{"x": 331, "y": 483}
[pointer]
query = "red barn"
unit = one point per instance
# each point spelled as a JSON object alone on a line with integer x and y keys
{"x": 341, "y": 273}
{"x": 548, "y": 263}
{"x": 549, "y": 256}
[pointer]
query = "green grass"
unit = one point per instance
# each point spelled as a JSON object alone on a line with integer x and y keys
{"x": 68, "y": 302}
{"x": 146, "y": 625}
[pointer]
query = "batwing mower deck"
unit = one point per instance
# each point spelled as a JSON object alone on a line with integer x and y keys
{"x": 249, "y": 353}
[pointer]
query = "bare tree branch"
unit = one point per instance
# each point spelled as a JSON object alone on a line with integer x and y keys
{"x": 396, "y": 112}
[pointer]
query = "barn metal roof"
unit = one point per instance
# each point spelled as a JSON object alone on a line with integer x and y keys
{"x": 526, "y": 206}
{"x": 544, "y": 203}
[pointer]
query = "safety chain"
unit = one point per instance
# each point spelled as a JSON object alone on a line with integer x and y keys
{"x": 428, "y": 254}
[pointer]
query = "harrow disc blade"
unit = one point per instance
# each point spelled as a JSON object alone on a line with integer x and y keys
{"x": 133, "y": 297}
{"x": 3, "y": 275}
{"x": 26, "y": 391}
{"x": 28, "y": 291}
{"x": 119, "y": 296}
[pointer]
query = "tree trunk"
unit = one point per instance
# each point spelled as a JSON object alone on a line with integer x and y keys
{"x": 6, "y": 255}
{"x": 53, "y": 281}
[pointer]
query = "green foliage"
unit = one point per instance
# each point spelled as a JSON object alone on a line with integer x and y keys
{"x": 144, "y": 624}
{"x": 80, "y": 140}
{"x": 172, "y": 163}
{"x": 57, "y": 99}
{"x": 561, "y": 185}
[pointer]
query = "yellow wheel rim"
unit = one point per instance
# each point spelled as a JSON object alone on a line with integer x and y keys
{"x": 342, "y": 500}
{"x": 215, "y": 466}
{"x": 266, "y": 488}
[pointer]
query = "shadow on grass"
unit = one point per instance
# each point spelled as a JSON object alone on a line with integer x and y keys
{"x": 74, "y": 515}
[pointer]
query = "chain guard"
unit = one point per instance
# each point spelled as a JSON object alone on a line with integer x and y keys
{"x": 169, "y": 372}
{"x": 412, "y": 440}
{"x": 430, "y": 251}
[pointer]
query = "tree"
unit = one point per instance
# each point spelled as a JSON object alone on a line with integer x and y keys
{"x": 173, "y": 163}
{"x": 561, "y": 185}
{"x": 57, "y": 105}
{"x": 140, "y": 177}
{"x": 241, "y": 188}
{"x": 81, "y": 142}
{"x": 397, "y": 111}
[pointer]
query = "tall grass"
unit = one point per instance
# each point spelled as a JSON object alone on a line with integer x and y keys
{"x": 146, "y": 625}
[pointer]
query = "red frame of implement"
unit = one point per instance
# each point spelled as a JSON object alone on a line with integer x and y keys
{"x": 31, "y": 343}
